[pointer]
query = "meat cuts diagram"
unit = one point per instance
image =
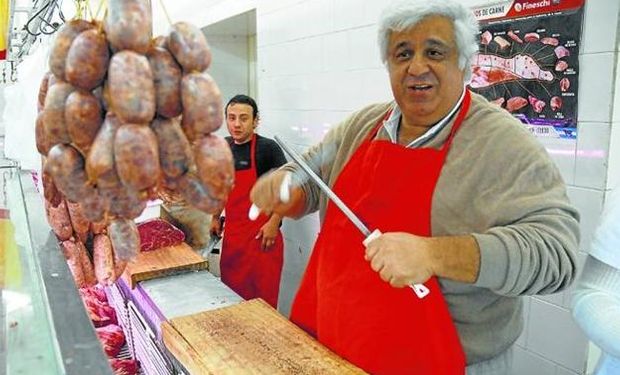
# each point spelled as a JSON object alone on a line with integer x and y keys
{"x": 528, "y": 62}
{"x": 492, "y": 69}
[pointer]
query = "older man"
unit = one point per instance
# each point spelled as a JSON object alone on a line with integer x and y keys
{"x": 468, "y": 201}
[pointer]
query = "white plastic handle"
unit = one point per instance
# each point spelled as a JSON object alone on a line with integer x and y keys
{"x": 420, "y": 289}
{"x": 285, "y": 196}
{"x": 285, "y": 188}
{"x": 254, "y": 212}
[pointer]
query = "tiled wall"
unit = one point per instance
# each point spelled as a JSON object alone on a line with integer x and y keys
{"x": 230, "y": 64}
{"x": 229, "y": 67}
{"x": 318, "y": 61}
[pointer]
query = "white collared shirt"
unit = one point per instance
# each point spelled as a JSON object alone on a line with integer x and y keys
{"x": 391, "y": 125}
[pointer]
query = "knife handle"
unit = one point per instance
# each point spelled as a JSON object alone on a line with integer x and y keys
{"x": 419, "y": 289}
{"x": 285, "y": 195}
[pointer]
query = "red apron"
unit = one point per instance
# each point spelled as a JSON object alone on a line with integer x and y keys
{"x": 247, "y": 269}
{"x": 344, "y": 303}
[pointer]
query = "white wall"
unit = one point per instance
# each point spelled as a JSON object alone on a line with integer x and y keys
{"x": 2, "y": 104}
{"x": 233, "y": 65}
{"x": 230, "y": 64}
{"x": 318, "y": 61}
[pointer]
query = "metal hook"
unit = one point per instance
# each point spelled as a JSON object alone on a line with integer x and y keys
{"x": 5, "y": 176}
{"x": 54, "y": 26}
{"x": 13, "y": 72}
{"x": 34, "y": 17}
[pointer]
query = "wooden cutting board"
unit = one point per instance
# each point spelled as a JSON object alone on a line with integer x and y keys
{"x": 163, "y": 262}
{"x": 250, "y": 337}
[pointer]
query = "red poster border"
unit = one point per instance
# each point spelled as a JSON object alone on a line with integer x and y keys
{"x": 524, "y": 8}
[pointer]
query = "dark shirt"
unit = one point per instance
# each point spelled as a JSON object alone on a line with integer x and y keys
{"x": 268, "y": 155}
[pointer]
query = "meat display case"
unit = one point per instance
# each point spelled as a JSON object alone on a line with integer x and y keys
{"x": 44, "y": 327}
{"x": 142, "y": 310}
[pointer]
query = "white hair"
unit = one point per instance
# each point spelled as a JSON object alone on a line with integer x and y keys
{"x": 404, "y": 14}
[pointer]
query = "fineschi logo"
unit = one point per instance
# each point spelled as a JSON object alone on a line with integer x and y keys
{"x": 532, "y": 5}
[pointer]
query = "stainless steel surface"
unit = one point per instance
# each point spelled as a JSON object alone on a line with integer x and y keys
{"x": 189, "y": 293}
{"x": 323, "y": 186}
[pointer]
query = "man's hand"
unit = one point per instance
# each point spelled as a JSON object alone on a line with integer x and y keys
{"x": 268, "y": 232}
{"x": 216, "y": 226}
{"x": 401, "y": 259}
{"x": 272, "y": 194}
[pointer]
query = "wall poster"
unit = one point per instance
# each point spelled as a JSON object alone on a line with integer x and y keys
{"x": 528, "y": 62}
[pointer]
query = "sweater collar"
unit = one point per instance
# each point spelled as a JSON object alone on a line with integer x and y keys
{"x": 391, "y": 125}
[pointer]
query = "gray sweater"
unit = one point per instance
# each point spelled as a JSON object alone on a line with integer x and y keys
{"x": 498, "y": 184}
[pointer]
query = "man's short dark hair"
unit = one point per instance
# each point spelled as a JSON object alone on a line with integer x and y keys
{"x": 243, "y": 99}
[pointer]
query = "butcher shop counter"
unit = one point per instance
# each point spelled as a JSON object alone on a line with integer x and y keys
{"x": 193, "y": 323}
{"x": 44, "y": 327}
{"x": 143, "y": 309}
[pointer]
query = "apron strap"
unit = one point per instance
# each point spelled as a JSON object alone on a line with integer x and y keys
{"x": 459, "y": 119}
{"x": 253, "y": 164}
{"x": 375, "y": 130}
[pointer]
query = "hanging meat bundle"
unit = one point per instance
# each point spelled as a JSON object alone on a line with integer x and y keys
{"x": 125, "y": 118}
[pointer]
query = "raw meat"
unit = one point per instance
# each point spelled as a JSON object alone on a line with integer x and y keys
{"x": 515, "y": 37}
{"x": 112, "y": 338}
{"x": 550, "y": 41}
{"x": 124, "y": 366}
{"x": 515, "y": 103}
{"x": 531, "y": 37}
{"x": 486, "y": 37}
{"x": 556, "y": 103}
{"x": 536, "y": 103}
{"x": 158, "y": 233}
{"x": 503, "y": 43}
{"x": 100, "y": 313}
{"x": 561, "y": 66}
{"x": 561, "y": 51}
{"x": 564, "y": 84}
{"x": 95, "y": 293}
